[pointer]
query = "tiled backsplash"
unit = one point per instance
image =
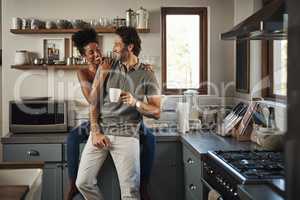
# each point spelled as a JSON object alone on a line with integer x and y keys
{"x": 170, "y": 102}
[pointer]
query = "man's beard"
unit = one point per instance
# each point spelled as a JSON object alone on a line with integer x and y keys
{"x": 122, "y": 56}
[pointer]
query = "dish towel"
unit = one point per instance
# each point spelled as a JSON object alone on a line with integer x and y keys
{"x": 214, "y": 195}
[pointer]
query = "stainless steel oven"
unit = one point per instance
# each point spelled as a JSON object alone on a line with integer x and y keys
{"x": 38, "y": 116}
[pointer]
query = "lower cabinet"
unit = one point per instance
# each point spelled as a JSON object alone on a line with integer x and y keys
{"x": 192, "y": 175}
{"x": 52, "y": 182}
{"x": 51, "y": 154}
{"x": 167, "y": 175}
{"x": 166, "y": 179}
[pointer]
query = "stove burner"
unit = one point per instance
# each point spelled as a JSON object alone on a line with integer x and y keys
{"x": 254, "y": 164}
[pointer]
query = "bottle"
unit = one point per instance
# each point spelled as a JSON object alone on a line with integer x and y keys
{"x": 271, "y": 120}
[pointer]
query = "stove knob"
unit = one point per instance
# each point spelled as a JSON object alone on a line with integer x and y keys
{"x": 231, "y": 190}
{"x": 211, "y": 171}
{"x": 235, "y": 194}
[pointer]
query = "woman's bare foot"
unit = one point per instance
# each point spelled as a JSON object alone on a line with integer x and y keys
{"x": 72, "y": 190}
{"x": 144, "y": 191}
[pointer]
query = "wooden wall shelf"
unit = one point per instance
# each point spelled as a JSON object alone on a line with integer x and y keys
{"x": 66, "y": 31}
{"x": 48, "y": 67}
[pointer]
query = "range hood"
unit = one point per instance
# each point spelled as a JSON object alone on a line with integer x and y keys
{"x": 269, "y": 23}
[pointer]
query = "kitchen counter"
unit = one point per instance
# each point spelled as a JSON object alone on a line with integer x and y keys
{"x": 207, "y": 141}
{"x": 60, "y": 138}
{"x": 14, "y": 192}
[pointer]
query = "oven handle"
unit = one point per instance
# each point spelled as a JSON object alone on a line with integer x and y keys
{"x": 210, "y": 187}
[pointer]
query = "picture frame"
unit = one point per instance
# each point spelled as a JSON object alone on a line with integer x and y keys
{"x": 56, "y": 49}
{"x": 242, "y": 66}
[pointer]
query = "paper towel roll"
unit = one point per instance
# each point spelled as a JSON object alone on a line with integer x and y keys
{"x": 183, "y": 117}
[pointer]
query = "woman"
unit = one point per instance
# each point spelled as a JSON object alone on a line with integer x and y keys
{"x": 86, "y": 43}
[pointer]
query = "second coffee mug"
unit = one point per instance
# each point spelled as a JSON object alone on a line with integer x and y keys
{"x": 114, "y": 94}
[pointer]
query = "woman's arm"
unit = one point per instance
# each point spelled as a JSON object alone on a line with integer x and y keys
{"x": 92, "y": 91}
{"x": 85, "y": 84}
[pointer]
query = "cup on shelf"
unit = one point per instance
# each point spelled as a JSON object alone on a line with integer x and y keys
{"x": 21, "y": 57}
{"x": 16, "y": 23}
{"x": 50, "y": 24}
{"x": 25, "y": 23}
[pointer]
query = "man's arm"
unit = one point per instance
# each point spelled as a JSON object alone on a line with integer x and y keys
{"x": 151, "y": 108}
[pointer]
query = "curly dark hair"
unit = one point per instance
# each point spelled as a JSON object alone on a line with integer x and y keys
{"x": 83, "y": 38}
{"x": 129, "y": 36}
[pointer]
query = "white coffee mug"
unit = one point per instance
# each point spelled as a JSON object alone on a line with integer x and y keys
{"x": 114, "y": 94}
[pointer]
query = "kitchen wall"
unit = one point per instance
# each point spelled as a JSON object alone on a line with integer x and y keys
{"x": 1, "y": 77}
{"x": 63, "y": 84}
{"x": 242, "y": 10}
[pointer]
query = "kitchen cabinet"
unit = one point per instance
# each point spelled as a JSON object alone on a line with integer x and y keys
{"x": 52, "y": 172}
{"x": 192, "y": 175}
{"x": 167, "y": 178}
{"x": 52, "y": 182}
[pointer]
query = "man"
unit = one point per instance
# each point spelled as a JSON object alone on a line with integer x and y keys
{"x": 87, "y": 44}
{"x": 117, "y": 132}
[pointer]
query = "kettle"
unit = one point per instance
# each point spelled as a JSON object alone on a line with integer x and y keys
{"x": 130, "y": 18}
{"x": 142, "y": 17}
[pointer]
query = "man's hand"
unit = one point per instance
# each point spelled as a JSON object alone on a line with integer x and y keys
{"x": 128, "y": 99}
{"x": 100, "y": 140}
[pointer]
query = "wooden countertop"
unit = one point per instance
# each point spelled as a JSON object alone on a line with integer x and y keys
{"x": 11, "y": 192}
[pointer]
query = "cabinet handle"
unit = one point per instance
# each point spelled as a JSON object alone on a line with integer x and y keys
{"x": 59, "y": 165}
{"x": 190, "y": 161}
{"x": 32, "y": 152}
{"x": 192, "y": 187}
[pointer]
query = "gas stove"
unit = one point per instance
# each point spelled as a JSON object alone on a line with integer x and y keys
{"x": 224, "y": 170}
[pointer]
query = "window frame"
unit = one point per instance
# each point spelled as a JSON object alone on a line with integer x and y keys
{"x": 268, "y": 71}
{"x": 202, "y": 12}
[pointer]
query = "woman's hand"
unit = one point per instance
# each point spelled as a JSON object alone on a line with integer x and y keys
{"x": 106, "y": 64}
{"x": 148, "y": 67}
{"x": 127, "y": 98}
{"x": 100, "y": 140}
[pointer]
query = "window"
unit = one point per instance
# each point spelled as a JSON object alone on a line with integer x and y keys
{"x": 184, "y": 49}
{"x": 275, "y": 68}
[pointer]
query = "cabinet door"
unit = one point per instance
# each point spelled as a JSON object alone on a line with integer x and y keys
{"x": 52, "y": 182}
{"x": 167, "y": 177}
{"x": 192, "y": 175}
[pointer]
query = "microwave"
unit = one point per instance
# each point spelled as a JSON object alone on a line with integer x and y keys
{"x": 38, "y": 116}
